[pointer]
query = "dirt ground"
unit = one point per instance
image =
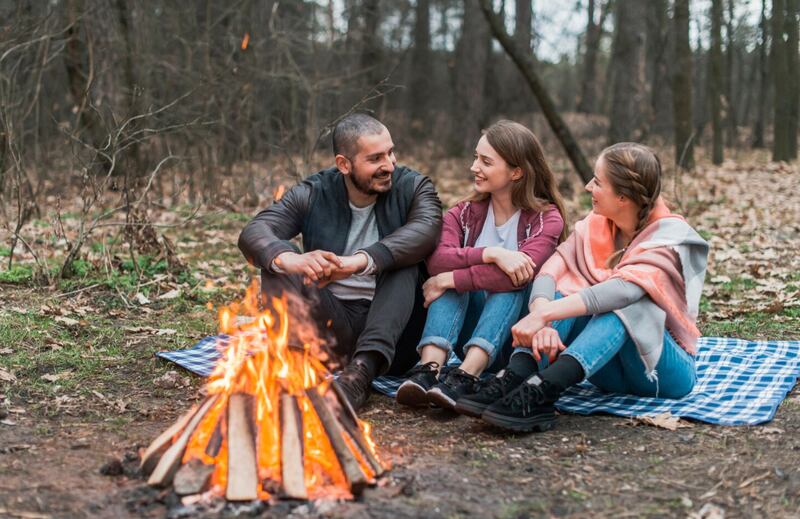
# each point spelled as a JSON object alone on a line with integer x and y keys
{"x": 81, "y": 393}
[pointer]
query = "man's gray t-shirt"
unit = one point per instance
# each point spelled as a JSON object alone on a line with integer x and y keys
{"x": 363, "y": 233}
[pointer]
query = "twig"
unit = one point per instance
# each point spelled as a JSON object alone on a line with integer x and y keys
{"x": 65, "y": 294}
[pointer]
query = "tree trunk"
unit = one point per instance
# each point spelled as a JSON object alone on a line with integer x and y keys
{"x": 793, "y": 59}
{"x": 715, "y": 81}
{"x": 627, "y": 71}
{"x": 730, "y": 105}
{"x": 79, "y": 64}
{"x": 370, "y": 48}
{"x": 658, "y": 44}
{"x": 763, "y": 79}
{"x": 522, "y": 23}
{"x": 524, "y": 62}
{"x": 594, "y": 32}
{"x": 132, "y": 154}
{"x": 781, "y": 149}
{"x": 420, "y": 86}
{"x": 682, "y": 87}
{"x": 472, "y": 58}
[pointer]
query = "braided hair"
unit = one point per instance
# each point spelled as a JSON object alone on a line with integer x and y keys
{"x": 634, "y": 171}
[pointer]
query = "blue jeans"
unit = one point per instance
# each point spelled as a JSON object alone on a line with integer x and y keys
{"x": 457, "y": 322}
{"x": 610, "y": 360}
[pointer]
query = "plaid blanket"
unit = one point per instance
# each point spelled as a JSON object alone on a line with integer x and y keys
{"x": 739, "y": 382}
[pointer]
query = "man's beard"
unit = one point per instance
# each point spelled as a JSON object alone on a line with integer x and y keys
{"x": 363, "y": 185}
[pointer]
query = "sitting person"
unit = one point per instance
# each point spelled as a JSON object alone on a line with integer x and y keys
{"x": 492, "y": 244}
{"x": 367, "y": 225}
{"x": 627, "y": 285}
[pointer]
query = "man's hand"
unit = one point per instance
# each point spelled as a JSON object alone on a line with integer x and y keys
{"x": 315, "y": 265}
{"x": 435, "y": 286}
{"x": 348, "y": 265}
{"x": 517, "y": 265}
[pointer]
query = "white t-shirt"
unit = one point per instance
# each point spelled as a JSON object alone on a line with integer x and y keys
{"x": 363, "y": 233}
{"x": 503, "y": 236}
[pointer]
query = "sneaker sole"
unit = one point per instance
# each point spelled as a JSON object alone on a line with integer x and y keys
{"x": 469, "y": 408}
{"x": 540, "y": 422}
{"x": 412, "y": 395}
{"x": 438, "y": 398}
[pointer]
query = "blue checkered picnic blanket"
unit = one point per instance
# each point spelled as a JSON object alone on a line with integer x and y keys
{"x": 739, "y": 382}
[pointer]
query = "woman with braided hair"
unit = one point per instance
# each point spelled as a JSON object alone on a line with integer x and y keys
{"x": 616, "y": 304}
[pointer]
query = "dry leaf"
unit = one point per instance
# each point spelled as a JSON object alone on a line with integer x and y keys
{"x": 7, "y": 376}
{"x": 67, "y": 321}
{"x": 6, "y": 351}
{"x": 141, "y": 299}
{"x": 665, "y": 421}
{"x": 54, "y": 377}
{"x": 172, "y": 294}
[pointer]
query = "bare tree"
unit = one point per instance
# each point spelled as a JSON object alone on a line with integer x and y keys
{"x": 627, "y": 71}
{"x": 763, "y": 78}
{"x": 682, "y": 87}
{"x": 715, "y": 81}
{"x": 471, "y": 65}
{"x": 594, "y": 33}
{"x": 524, "y": 62}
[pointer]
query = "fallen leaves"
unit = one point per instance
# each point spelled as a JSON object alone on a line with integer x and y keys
{"x": 147, "y": 330}
{"x": 7, "y": 376}
{"x": 55, "y": 377}
{"x": 665, "y": 421}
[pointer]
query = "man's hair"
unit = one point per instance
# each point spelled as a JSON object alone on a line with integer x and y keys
{"x": 348, "y": 130}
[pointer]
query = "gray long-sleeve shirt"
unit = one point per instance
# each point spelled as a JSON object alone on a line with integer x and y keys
{"x": 609, "y": 295}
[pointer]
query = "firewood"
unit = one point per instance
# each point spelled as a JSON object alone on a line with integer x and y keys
{"x": 215, "y": 442}
{"x": 350, "y": 422}
{"x": 156, "y": 449}
{"x": 352, "y": 470}
{"x": 192, "y": 478}
{"x": 168, "y": 464}
{"x": 242, "y": 466}
{"x": 292, "y": 470}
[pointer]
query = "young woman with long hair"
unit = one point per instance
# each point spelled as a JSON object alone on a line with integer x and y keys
{"x": 492, "y": 245}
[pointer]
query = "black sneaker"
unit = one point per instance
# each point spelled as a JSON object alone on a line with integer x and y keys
{"x": 414, "y": 391}
{"x": 527, "y": 408}
{"x": 356, "y": 383}
{"x": 454, "y": 385}
{"x": 488, "y": 392}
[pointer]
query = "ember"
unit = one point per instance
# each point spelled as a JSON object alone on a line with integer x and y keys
{"x": 272, "y": 423}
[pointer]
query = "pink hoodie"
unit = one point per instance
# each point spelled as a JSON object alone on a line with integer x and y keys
{"x": 537, "y": 236}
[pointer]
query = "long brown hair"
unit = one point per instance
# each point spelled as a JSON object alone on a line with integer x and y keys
{"x": 520, "y": 148}
{"x": 634, "y": 171}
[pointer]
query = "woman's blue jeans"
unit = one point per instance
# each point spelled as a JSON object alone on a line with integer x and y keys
{"x": 610, "y": 360}
{"x": 457, "y": 322}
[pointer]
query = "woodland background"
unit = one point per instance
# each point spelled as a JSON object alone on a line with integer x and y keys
{"x": 137, "y": 138}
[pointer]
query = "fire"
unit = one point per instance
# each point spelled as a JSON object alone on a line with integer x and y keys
{"x": 245, "y": 40}
{"x": 279, "y": 192}
{"x": 261, "y": 364}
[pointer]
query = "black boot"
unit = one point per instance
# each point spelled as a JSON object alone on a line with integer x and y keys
{"x": 488, "y": 392}
{"x": 355, "y": 381}
{"x": 529, "y": 407}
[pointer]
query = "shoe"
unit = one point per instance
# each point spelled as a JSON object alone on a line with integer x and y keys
{"x": 356, "y": 384}
{"x": 488, "y": 392}
{"x": 529, "y": 407}
{"x": 456, "y": 384}
{"x": 414, "y": 391}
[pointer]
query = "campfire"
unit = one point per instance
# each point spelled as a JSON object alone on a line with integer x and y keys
{"x": 271, "y": 425}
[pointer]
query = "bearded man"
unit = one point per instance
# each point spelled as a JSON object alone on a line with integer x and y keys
{"x": 366, "y": 224}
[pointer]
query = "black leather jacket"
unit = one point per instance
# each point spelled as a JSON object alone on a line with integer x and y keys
{"x": 409, "y": 219}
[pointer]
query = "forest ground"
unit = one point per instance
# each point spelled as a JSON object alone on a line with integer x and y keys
{"x": 81, "y": 392}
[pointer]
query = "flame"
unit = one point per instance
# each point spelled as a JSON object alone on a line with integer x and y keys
{"x": 257, "y": 360}
{"x": 279, "y": 192}
{"x": 245, "y": 40}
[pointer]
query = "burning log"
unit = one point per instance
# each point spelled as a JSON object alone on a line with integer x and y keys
{"x": 156, "y": 449}
{"x": 242, "y": 467}
{"x": 292, "y": 471}
{"x": 350, "y": 422}
{"x": 168, "y": 464}
{"x": 192, "y": 478}
{"x": 352, "y": 470}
